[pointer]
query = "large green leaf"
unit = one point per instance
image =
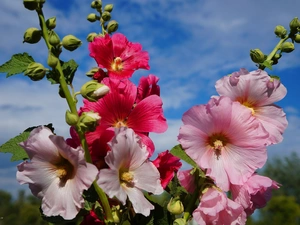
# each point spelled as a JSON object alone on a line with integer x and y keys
{"x": 17, "y": 64}
{"x": 180, "y": 153}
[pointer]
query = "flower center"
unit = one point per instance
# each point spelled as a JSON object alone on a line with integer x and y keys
{"x": 247, "y": 103}
{"x": 117, "y": 64}
{"x": 64, "y": 170}
{"x": 126, "y": 178}
{"x": 218, "y": 142}
{"x": 120, "y": 124}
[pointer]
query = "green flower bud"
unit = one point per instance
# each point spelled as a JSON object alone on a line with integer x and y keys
{"x": 116, "y": 214}
{"x": 88, "y": 121}
{"x": 297, "y": 38}
{"x": 106, "y": 16}
{"x": 52, "y": 60}
{"x": 32, "y": 35}
{"x": 257, "y": 56}
{"x": 287, "y": 47}
{"x": 179, "y": 221}
{"x": 108, "y": 7}
{"x": 112, "y": 26}
{"x": 294, "y": 24}
{"x": 35, "y": 71}
{"x": 280, "y": 31}
{"x": 175, "y": 206}
{"x": 71, "y": 119}
{"x": 92, "y": 90}
{"x": 96, "y": 4}
{"x": 54, "y": 39}
{"x": 91, "y": 37}
{"x": 51, "y": 23}
{"x": 70, "y": 42}
{"x": 92, "y": 17}
{"x": 30, "y": 4}
{"x": 92, "y": 71}
{"x": 277, "y": 56}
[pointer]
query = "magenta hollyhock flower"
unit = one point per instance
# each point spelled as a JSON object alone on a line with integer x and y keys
{"x": 119, "y": 109}
{"x": 257, "y": 91}
{"x": 129, "y": 172}
{"x": 119, "y": 56}
{"x": 225, "y": 139}
{"x": 255, "y": 193}
{"x": 167, "y": 165}
{"x": 147, "y": 86}
{"x": 215, "y": 208}
{"x": 56, "y": 173}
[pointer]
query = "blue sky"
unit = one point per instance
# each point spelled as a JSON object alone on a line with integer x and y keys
{"x": 191, "y": 44}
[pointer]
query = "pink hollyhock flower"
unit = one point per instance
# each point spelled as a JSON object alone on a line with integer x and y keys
{"x": 147, "y": 86}
{"x": 119, "y": 109}
{"x": 167, "y": 164}
{"x": 130, "y": 172}
{"x": 215, "y": 208}
{"x": 92, "y": 219}
{"x": 255, "y": 193}
{"x": 187, "y": 180}
{"x": 56, "y": 173}
{"x": 225, "y": 139}
{"x": 119, "y": 56}
{"x": 257, "y": 91}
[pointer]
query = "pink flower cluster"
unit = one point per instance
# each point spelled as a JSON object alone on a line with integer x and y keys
{"x": 227, "y": 138}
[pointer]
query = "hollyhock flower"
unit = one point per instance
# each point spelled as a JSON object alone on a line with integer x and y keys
{"x": 257, "y": 91}
{"x": 147, "y": 86}
{"x": 130, "y": 172}
{"x": 255, "y": 193}
{"x": 167, "y": 164}
{"x": 119, "y": 109}
{"x": 187, "y": 180}
{"x": 215, "y": 208}
{"x": 119, "y": 56}
{"x": 225, "y": 139}
{"x": 56, "y": 173}
{"x": 92, "y": 219}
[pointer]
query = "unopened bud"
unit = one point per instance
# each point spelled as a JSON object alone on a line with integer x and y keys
{"x": 257, "y": 56}
{"x": 297, "y": 38}
{"x": 116, "y": 214}
{"x": 70, "y": 42}
{"x": 112, "y": 26}
{"x": 52, "y": 60}
{"x": 92, "y": 90}
{"x": 30, "y": 4}
{"x": 294, "y": 24}
{"x": 91, "y": 37}
{"x": 32, "y": 35}
{"x": 275, "y": 58}
{"x": 88, "y": 121}
{"x": 280, "y": 31}
{"x": 96, "y": 4}
{"x": 108, "y": 7}
{"x": 106, "y": 16}
{"x": 51, "y": 23}
{"x": 71, "y": 119}
{"x": 92, "y": 71}
{"x": 175, "y": 206}
{"x": 92, "y": 17}
{"x": 287, "y": 47}
{"x": 54, "y": 39}
{"x": 35, "y": 71}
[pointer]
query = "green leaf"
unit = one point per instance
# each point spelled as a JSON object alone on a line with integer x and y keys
{"x": 17, "y": 64}
{"x": 180, "y": 153}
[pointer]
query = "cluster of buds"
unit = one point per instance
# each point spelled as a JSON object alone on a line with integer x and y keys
{"x": 33, "y": 4}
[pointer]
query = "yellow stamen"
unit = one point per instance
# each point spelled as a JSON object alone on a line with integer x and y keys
{"x": 120, "y": 124}
{"x": 117, "y": 64}
{"x": 218, "y": 142}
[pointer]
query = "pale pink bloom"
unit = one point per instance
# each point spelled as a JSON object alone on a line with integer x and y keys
{"x": 215, "y": 208}
{"x": 225, "y": 139}
{"x": 255, "y": 193}
{"x": 257, "y": 91}
{"x": 56, "y": 173}
{"x": 129, "y": 172}
{"x": 187, "y": 180}
{"x": 119, "y": 56}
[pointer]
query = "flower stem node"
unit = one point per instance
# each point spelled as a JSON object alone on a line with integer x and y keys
{"x": 35, "y": 71}
{"x": 280, "y": 31}
{"x": 175, "y": 206}
{"x": 71, "y": 119}
{"x": 294, "y": 25}
{"x": 257, "y": 55}
{"x": 92, "y": 17}
{"x": 92, "y": 71}
{"x": 93, "y": 91}
{"x": 32, "y": 35}
{"x": 54, "y": 39}
{"x": 30, "y": 4}
{"x": 287, "y": 47}
{"x": 91, "y": 36}
{"x": 52, "y": 60}
{"x": 109, "y": 7}
{"x": 112, "y": 26}
{"x": 70, "y": 42}
{"x": 51, "y": 23}
{"x": 106, "y": 16}
{"x": 96, "y": 4}
{"x": 88, "y": 121}
{"x": 297, "y": 38}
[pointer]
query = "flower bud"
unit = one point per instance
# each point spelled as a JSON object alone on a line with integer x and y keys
{"x": 92, "y": 17}
{"x": 287, "y": 47}
{"x": 175, "y": 206}
{"x": 294, "y": 24}
{"x": 116, "y": 214}
{"x": 280, "y": 31}
{"x": 108, "y": 7}
{"x": 35, "y": 71}
{"x": 91, "y": 36}
{"x": 297, "y": 38}
{"x": 257, "y": 56}
{"x": 96, "y": 4}
{"x": 52, "y": 60}
{"x": 88, "y": 121}
{"x": 92, "y": 90}
{"x": 106, "y": 16}
{"x": 32, "y": 35}
{"x": 54, "y": 39}
{"x": 51, "y": 23}
{"x": 112, "y": 26}
{"x": 71, "y": 119}
{"x": 92, "y": 71}
{"x": 179, "y": 221}
{"x": 275, "y": 58}
{"x": 30, "y": 4}
{"x": 70, "y": 42}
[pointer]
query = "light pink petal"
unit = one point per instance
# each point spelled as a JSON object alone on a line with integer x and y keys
{"x": 187, "y": 180}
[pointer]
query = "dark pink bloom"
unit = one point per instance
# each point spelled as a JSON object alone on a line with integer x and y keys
{"x": 257, "y": 91}
{"x": 215, "y": 208}
{"x": 92, "y": 219}
{"x": 147, "y": 86}
{"x": 119, "y": 56}
{"x": 167, "y": 164}
{"x": 255, "y": 193}
{"x": 225, "y": 139}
